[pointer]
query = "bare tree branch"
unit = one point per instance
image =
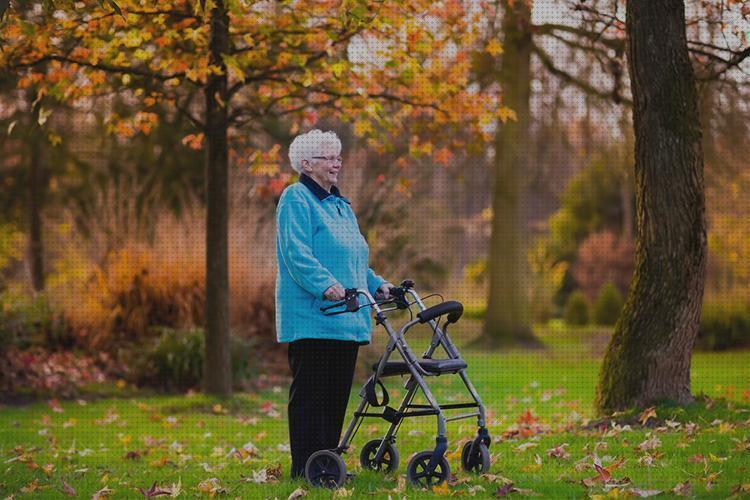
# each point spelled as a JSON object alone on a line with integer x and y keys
{"x": 616, "y": 44}
{"x": 734, "y": 61}
{"x": 582, "y": 85}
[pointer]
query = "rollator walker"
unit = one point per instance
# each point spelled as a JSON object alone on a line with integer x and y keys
{"x": 427, "y": 468}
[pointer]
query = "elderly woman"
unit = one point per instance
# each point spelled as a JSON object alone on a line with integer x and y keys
{"x": 320, "y": 251}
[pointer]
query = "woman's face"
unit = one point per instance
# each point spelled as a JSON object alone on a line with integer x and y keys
{"x": 325, "y": 165}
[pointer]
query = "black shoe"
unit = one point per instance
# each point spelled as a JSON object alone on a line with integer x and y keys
{"x": 349, "y": 477}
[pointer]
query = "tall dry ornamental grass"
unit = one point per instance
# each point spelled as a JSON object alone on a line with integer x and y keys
{"x": 117, "y": 296}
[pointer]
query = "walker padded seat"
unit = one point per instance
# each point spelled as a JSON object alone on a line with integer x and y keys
{"x": 436, "y": 366}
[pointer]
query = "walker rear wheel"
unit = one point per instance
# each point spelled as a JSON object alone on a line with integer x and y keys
{"x": 387, "y": 464}
{"x": 478, "y": 461}
{"x": 418, "y": 474}
{"x": 326, "y": 469}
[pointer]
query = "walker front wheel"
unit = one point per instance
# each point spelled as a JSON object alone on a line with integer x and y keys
{"x": 387, "y": 464}
{"x": 418, "y": 474}
{"x": 478, "y": 461}
{"x": 326, "y": 469}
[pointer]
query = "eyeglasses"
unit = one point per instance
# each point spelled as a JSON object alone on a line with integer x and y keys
{"x": 329, "y": 158}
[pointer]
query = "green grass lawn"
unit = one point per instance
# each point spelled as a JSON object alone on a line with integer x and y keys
{"x": 537, "y": 401}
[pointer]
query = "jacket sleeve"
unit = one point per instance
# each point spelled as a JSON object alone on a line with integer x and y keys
{"x": 373, "y": 281}
{"x": 294, "y": 231}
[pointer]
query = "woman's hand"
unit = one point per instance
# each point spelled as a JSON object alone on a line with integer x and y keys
{"x": 385, "y": 290}
{"x": 335, "y": 292}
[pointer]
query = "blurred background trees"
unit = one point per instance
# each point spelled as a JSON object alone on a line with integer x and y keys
{"x": 489, "y": 156}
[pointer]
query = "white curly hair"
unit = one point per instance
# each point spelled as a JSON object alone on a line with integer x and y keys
{"x": 307, "y": 145}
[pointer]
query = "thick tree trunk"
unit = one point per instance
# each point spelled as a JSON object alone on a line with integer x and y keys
{"x": 37, "y": 188}
{"x": 648, "y": 358}
{"x": 506, "y": 320}
{"x": 217, "y": 374}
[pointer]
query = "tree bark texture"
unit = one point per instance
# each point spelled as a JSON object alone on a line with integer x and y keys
{"x": 506, "y": 319}
{"x": 217, "y": 374}
{"x": 36, "y": 191}
{"x": 648, "y": 358}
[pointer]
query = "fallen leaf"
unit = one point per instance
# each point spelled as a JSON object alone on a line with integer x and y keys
{"x": 68, "y": 489}
{"x": 603, "y": 475}
{"x": 160, "y": 462}
{"x": 743, "y": 489}
{"x": 31, "y": 487}
{"x": 55, "y": 405}
{"x": 527, "y": 418}
{"x": 175, "y": 490}
{"x": 682, "y": 489}
{"x": 647, "y": 414}
{"x": 526, "y": 446}
{"x": 342, "y": 492}
{"x": 442, "y": 489}
{"x": 504, "y": 490}
{"x": 535, "y": 467}
{"x": 473, "y": 490}
{"x": 710, "y": 479}
{"x": 559, "y": 452}
{"x": 274, "y": 472}
{"x": 211, "y": 486}
{"x": 102, "y": 493}
{"x": 649, "y": 444}
{"x": 257, "y": 477}
{"x": 154, "y": 491}
{"x": 643, "y": 493}
{"x": 298, "y": 493}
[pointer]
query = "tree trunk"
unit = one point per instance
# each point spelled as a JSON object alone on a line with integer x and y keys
{"x": 648, "y": 358}
{"x": 217, "y": 374}
{"x": 37, "y": 188}
{"x": 506, "y": 320}
{"x": 626, "y": 187}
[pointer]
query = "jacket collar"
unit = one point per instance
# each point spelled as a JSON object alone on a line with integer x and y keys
{"x": 318, "y": 190}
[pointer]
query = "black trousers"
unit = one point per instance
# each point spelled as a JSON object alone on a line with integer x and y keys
{"x": 323, "y": 371}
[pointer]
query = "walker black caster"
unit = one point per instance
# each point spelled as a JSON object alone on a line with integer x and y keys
{"x": 387, "y": 464}
{"x": 326, "y": 469}
{"x": 477, "y": 461}
{"x": 418, "y": 474}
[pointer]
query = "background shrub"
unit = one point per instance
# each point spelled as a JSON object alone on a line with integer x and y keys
{"x": 27, "y": 321}
{"x": 608, "y": 305}
{"x": 576, "y": 309}
{"x": 603, "y": 258}
{"x": 724, "y": 325}
{"x": 174, "y": 360}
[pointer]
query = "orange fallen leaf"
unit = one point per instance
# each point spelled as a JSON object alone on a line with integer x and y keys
{"x": 527, "y": 418}
{"x": 160, "y": 462}
{"x": 647, "y": 414}
{"x": 442, "y": 489}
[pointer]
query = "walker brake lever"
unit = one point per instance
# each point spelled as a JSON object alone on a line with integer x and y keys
{"x": 399, "y": 297}
{"x": 350, "y": 299}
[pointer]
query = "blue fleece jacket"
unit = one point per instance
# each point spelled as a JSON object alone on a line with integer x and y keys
{"x": 319, "y": 244}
